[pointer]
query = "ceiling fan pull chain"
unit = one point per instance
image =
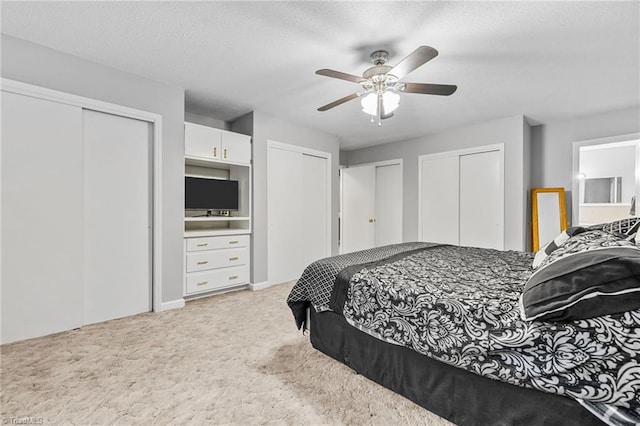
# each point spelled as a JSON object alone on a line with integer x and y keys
{"x": 379, "y": 108}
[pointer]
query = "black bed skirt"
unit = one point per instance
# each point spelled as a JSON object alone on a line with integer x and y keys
{"x": 457, "y": 395}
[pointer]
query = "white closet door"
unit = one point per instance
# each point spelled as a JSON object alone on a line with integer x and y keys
{"x": 388, "y": 199}
{"x": 358, "y": 208}
{"x": 439, "y": 200}
{"x": 481, "y": 208}
{"x": 314, "y": 202}
{"x": 117, "y": 229}
{"x": 297, "y": 205}
{"x": 41, "y": 217}
{"x": 284, "y": 215}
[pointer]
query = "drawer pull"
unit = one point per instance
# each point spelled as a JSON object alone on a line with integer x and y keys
{"x": 215, "y": 151}
{"x": 233, "y": 258}
{"x": 202, "y": 244}
{"x": 233, "y": 277}
{"x": 225, "y": 153}
{"x": 202, "y": 282}
{"x": 234, "y": 242}
{"x": 203, "y": 262}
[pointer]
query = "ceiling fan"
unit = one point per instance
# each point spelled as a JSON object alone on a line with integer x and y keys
{"x": 381, "y": 83}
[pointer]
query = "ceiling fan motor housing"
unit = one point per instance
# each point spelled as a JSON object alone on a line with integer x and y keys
{"x": 379, "y": 57}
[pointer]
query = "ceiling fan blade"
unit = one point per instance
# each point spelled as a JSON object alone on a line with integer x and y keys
{"x": 430, "y": 89}
{"x": 416, "y": 59}
{"x": 340, "y": 75}
{"x": 338, "y": 102}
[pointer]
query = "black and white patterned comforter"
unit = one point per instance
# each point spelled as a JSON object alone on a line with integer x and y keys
{"x": 459, "y": 305}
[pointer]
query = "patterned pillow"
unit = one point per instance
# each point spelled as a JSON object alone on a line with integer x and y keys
{"x": 592, "y": 274}
{"x": 623, "y": 226}
{"x": 552, "y": 245}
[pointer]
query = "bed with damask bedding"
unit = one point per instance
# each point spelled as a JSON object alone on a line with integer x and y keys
{"x": 480, "y": 336}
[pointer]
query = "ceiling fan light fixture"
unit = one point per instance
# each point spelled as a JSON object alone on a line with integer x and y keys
{"x": 369, "y": 104}
{"x": 390, "y": 102}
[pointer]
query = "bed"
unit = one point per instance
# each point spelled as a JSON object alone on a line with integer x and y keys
{"x": 476, "y": 336}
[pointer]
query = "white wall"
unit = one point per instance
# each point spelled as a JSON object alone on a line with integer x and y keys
{"x": 264, "y": 127}
{"x": 552, "y": 145}
{"x": 509, "y": 131}
{"x": 41, "y": 66}
{"x": 192, "y": 117}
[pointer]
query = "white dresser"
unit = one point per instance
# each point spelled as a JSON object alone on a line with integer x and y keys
{"x": 215, "y": 263}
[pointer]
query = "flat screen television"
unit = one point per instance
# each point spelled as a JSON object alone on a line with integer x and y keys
{"x": 210, "y": 194}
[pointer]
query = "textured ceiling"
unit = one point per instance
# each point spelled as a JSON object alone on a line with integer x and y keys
{"x": 546, "y": 60}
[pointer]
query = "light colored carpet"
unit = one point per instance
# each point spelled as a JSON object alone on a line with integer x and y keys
{"x": 236, "y": 358}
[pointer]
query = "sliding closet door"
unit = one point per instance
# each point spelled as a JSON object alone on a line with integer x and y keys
{"x": 439, "y": 199}
{"x": 117, "y": 214}
{"x": 388, "y": 205}
{"x": 314, "y": 202}
{"x": 481, "y": 208}
{"x": 462, "y": 197}
{"x": 41, "y": 217}
{"x": 358, "y": 208}
{"x": 297, "y": 206}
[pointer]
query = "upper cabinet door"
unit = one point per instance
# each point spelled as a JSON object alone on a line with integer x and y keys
{"x": 202, "y": 141}
{"x": 236, "y": 147}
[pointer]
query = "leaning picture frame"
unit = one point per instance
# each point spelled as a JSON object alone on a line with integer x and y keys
{"x": 548, "y": 214}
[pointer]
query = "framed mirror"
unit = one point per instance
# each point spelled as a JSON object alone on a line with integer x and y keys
{"x": 549, "y": 216}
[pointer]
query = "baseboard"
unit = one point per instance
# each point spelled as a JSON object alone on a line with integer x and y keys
{"x": 173, "y": 304}
{"x": 259, "y": 286}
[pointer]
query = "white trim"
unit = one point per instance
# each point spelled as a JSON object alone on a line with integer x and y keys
{"x": 316, "y": 153}
{"x": 173, "y": 304}
{"x": 378, "y": 163}
{"x": 457, "y": 153}
{"x": 39, "y": 92}
{"x": 259, "y": 286}
{"x": 465, "y": 151}
{"x": 297, "y": 148}
{"x": 575, "y": 169}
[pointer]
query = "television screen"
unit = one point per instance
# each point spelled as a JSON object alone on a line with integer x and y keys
{"x": 210, "y": 194}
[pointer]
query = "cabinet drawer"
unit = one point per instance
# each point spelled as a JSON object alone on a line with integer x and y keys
{"x": 217, "y": 259}
{"x": 219, "y": 278}
{"x": 213, "y": 243}
{"x": 201, "y": 141}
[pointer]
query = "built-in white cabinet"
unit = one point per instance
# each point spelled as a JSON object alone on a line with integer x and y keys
{"x": 217, "y": 248}
{"x": 216, "y": 263}
{"x": 216, "y": 144}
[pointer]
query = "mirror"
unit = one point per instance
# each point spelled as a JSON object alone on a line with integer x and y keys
{"x": 602, "y": 190}
{"x": 548, "y": 214}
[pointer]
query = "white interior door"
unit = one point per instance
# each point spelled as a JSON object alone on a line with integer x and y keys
{"x": 117, "y": 227}
{"x": 388, "y": 199}
{"x": 41, "y": 217}
{"x": 439, "y": 203}
{"x": 297, "y": 207}
{"x": 358, "y": 208}
{"x": 481, "y": 200}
